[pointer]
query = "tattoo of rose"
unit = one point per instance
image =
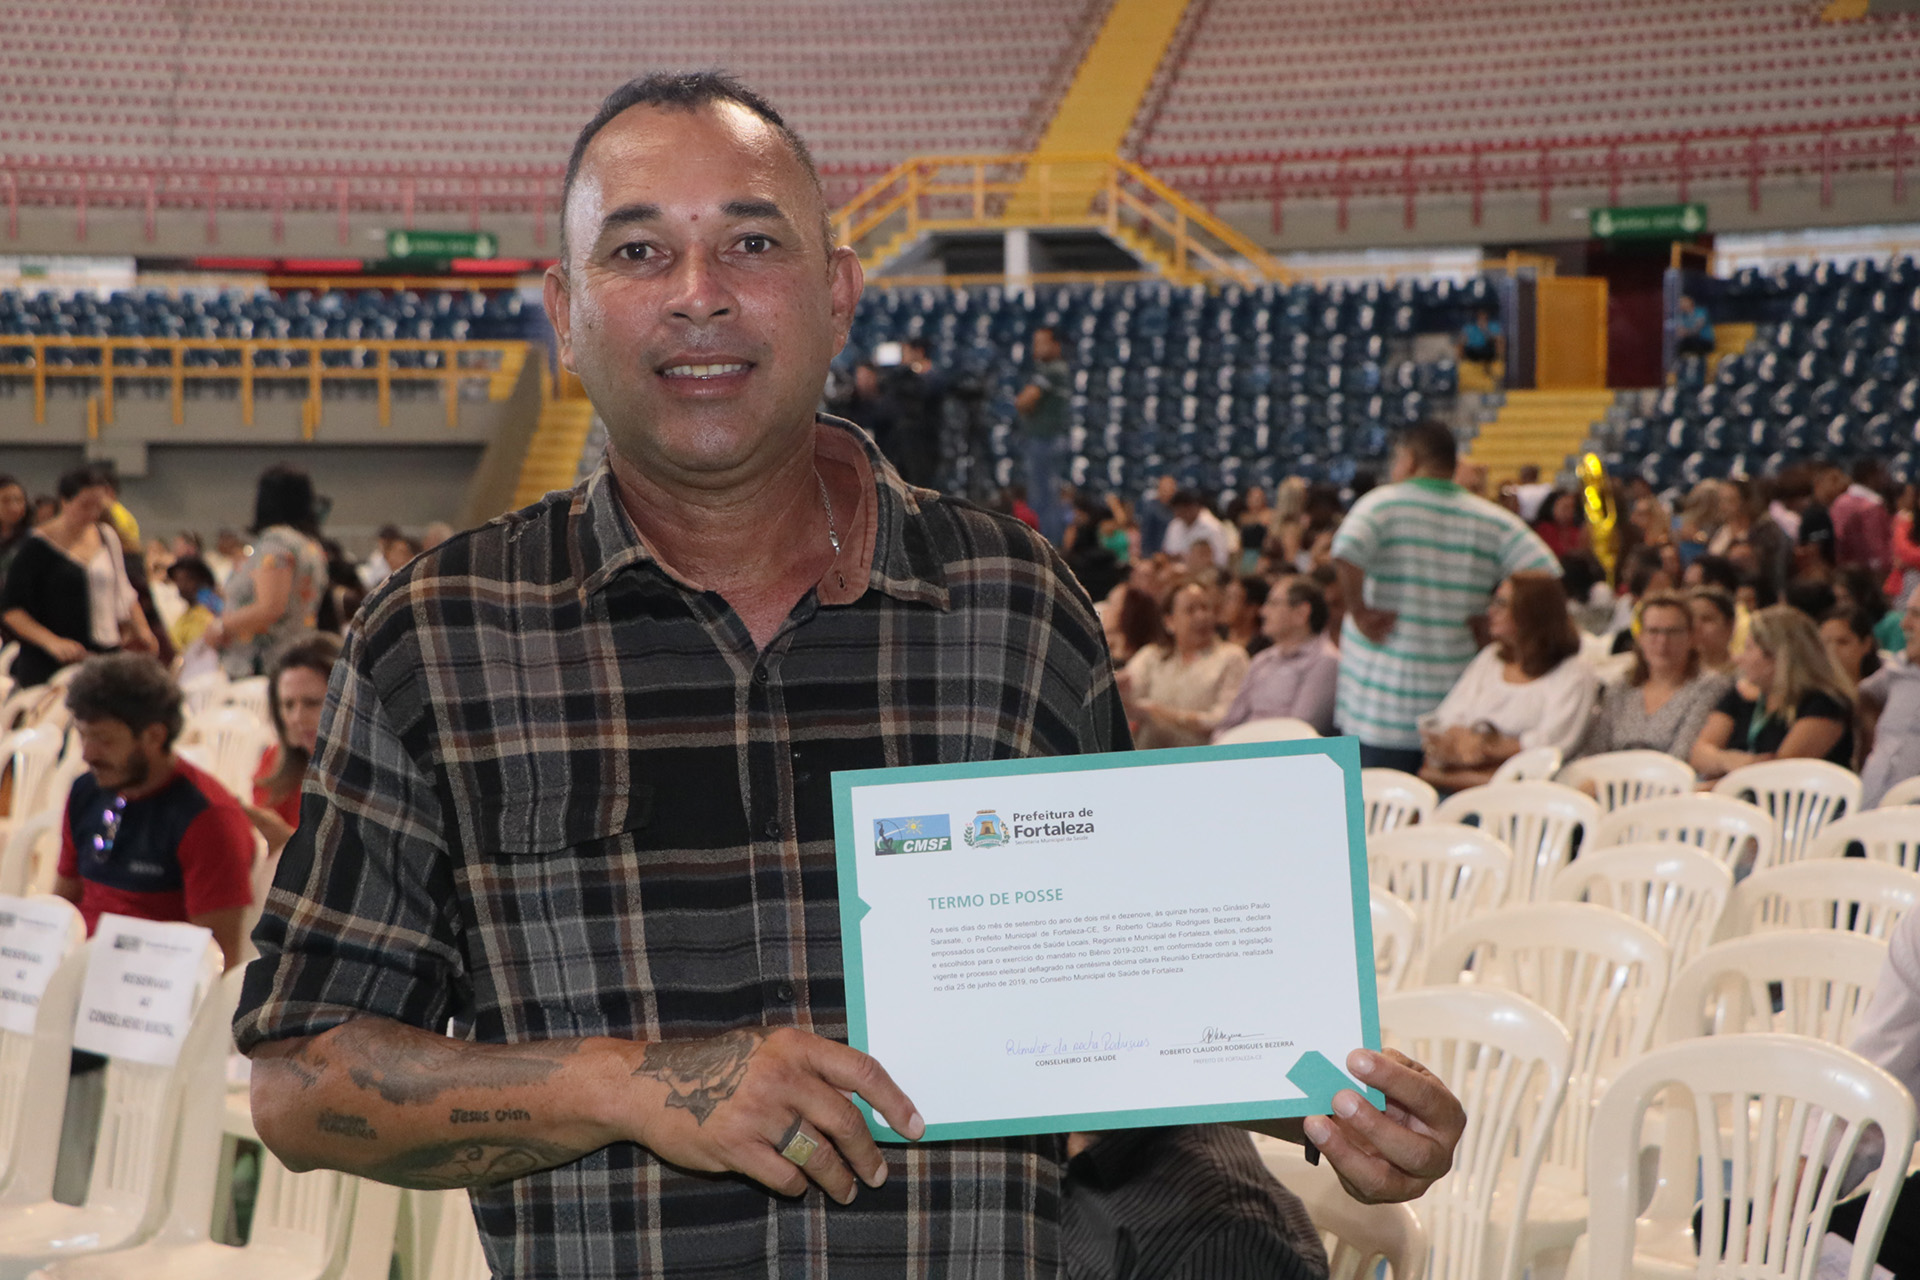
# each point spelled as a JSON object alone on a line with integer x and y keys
{"x": 701, "y": 1074}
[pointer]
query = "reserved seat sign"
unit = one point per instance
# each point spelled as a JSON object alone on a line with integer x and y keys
{"x": 34, "y": 935}
{"x": 140, "y": 990}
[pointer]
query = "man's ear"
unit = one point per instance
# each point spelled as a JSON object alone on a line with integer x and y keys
{"x": 556, "y": 295}
{"x": 848, "y": 278}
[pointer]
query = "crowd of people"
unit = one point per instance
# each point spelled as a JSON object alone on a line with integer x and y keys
{"x": 1449, "y": 628}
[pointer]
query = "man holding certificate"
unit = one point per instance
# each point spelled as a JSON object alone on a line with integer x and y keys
{"x": 573, "y": 790}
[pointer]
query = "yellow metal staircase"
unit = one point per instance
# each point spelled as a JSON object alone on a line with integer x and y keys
{"x": 1538, "y": 427}
{"x": 553, "y": 455}
{"x": 1106, "y": 92}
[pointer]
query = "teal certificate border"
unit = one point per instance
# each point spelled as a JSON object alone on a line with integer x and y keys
{"x": 1314, "y": 1074}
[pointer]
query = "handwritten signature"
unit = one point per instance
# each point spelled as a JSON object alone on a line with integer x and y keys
{"x": 1214, "y": 1035}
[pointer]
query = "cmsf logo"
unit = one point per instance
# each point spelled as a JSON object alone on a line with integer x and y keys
{"x": 929, "y": 833}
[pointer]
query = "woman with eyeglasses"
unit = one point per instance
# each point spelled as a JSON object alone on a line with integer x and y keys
{"x": 1666, "y": 698}
{"x": 1528, "y": 688}
{"x": 1792, "y": 701}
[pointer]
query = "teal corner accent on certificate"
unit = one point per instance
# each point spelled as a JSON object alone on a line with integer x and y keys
{"x": 1110, "y": 941}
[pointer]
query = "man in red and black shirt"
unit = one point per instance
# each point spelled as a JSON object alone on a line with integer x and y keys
{"x": 147, "y": 834}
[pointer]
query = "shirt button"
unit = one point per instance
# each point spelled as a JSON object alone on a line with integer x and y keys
{"x": 784, "y": 993}
{"x": 773, "y": 828}
{"x": 760, "y": 675}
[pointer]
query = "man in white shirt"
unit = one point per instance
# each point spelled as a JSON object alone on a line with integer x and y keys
{"x": 1192, "y": 523}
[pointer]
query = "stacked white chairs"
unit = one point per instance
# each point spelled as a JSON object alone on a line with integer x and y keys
{"x": 1675, "y": 888}
{"x": 1822, "y": 978}
{"x": 1764, "y": 1212}
{"x": 1902, "y": 793}
{"x": 447, "y": 1241}
{"x": 126, "y": 1196}
{"x": 1603, "y": 977}
{"x": 1535, "y": 764}
{"x": 30, "y": 858}
{"x": 1506, "y": 1060}
{"x": 1443, "y": 871}
{"x": 1358, "y": 1237}
{"x": 1395, "y": 799}
{"x": 30, "y": 756}
{"x": 305, "y": 1226}
{"x": 1884, "y": 835}
{"x": 1273, "y": 729}
{"x": 1849, "y": 894}
{"x": 1541, "y": 823}
{"x": 1801, "y": 795}
{"x": 1738, "y": 834}
{"x": 33, "y": 1073}
{"x": 1396, "y": 939}
{"x": 231, "y": 740}
{"x": 250, "y": 694}
{"x": 1621, "y": 778}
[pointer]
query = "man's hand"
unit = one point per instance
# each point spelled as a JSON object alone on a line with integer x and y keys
{"x": 65, "y": 651}
{"x": 732, "y": 1101}
{"x": 1375, "y": 624}
{"x": 1395, "y": 1155}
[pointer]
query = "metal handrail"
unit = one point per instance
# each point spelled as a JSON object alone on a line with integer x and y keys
{"x": 499, "y": 363}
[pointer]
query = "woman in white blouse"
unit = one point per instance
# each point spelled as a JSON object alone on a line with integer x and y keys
{"x": 1529, "y": 688}
{"x": 1176, "y": 692}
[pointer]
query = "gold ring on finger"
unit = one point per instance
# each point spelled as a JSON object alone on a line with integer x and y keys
{"x": 798, "y": 1147}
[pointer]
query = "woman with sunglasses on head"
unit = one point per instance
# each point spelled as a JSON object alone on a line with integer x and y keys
{"x": 1792, "y": 701}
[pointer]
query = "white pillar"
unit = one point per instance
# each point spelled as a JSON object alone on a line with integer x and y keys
{"x": 1019, "y": 258}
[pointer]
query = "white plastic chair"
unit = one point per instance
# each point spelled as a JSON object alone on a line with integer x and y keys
{"x": 1443, "y": 871}
{"x": 1890, "y": 836}
{"x": 30, "y": 859}
{"x": 1675, "y": 888}
{"x": 1849, "y": 894}
{"x": 250, "y": 694}
{"x": 1395, "y": 799}
{"x": 1621, "y": 778}
{"x": 1604, "y": 977}
{"x": 234, "y": 740}
{"x": 1506, "y": 1059}
{"x": 452, "y": 1241}
{"x": 1802, "y": 796}
{"x": 33, "y": 1074}
{"x": 200, "y": 694}
{"x": 1535, "y": 764}
{"x": 1541, "y": 823}
{"x": 1764, "y": 1212}
{"x": 1823, "y": 977}
{"x": 1273, "y": 729}
{"x": 1396, "y": 939}
{"x": 1358, "y": 1237}
{"x": 31, "y": 755}
{"x": 127, "y": 1194}
{"x": 1736, "y": 833}
{"x": 1901, "y": 793}
{"x": 305, "y": 1225}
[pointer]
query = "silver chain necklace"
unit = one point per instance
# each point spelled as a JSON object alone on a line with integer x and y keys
{"x": 833, "y": 533}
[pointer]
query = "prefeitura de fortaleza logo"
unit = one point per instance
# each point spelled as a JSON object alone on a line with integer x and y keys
{"x": 928, "y": 833}
{"x": 986, "y": 831}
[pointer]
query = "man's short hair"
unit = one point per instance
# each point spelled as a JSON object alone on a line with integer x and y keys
{"x": 1185, "y": 498}
{"x": 1432, "y": 444}
{"x": 1304, "y": 590}
{"x": 683, "y": 91}
{"x": 132, "y": 688}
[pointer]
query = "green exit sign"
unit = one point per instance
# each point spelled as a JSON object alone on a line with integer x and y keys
{"x": 442, "y": 244}
{"x": 1649, "y": 222}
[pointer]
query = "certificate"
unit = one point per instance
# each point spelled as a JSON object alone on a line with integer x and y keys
{"x": 1109, "y": 941}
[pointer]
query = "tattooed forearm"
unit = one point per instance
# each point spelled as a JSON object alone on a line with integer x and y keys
{"x": 442, "y": 1166}
{"x": 404, "y": 1065}
{"x": 345, "y": 1126}
{"x": 701, "y": 1074}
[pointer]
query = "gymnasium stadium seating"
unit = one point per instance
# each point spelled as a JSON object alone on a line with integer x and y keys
{"x": 1833, "y": 371}
{"x": 502, "y": 84}
{"x": 1305, "y": 74}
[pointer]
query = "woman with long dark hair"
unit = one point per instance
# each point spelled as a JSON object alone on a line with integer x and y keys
{"x": 297, "y": 690}
{"x": 275, "y": 593}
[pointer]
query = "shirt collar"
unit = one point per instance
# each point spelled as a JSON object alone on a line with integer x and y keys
{"x": 1435, "y": 483}
{"x": 886, "y": 544}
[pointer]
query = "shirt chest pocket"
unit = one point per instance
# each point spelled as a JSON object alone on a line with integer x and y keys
{"x": 590, "y": 825}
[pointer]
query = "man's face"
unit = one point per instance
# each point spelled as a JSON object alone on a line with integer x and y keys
{"x": 1165, "y": 489}
{"x": 1282, "y": 621}
{"x": 700, "y": 306}
{"x": 121, "y": 759}
{"x": 1045, "y": 345}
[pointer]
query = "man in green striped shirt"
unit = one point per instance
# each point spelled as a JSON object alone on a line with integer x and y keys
{"x": 1418, "y": 559}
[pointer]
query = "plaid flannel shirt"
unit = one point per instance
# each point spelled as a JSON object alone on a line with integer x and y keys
{"x": 560, "y": 793}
